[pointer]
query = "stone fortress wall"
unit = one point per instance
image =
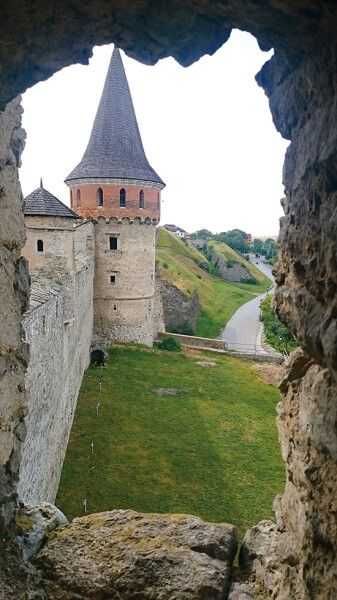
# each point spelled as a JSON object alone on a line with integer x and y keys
{"x": 82, "y": 294}
{"x": 58, "y": 327}
{"x": 124, "y": 304}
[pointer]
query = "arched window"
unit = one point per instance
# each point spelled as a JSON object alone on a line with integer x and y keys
{"x": 39, "y": 245}
{"x": 78, "y": 197}
{"x": 122, "y": 198}
{"x": 99, "y": 197}
{"x": 141, "y": 199}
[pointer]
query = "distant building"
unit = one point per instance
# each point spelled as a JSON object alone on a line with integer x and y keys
{"x": 178, "y": 231}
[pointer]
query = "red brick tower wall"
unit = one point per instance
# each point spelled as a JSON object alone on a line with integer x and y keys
{"x": 84, "y": 200}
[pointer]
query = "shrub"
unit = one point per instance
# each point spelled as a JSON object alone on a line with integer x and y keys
{"x": 185, "y": 329}
{"x": 170, "y": 344}
{"x": 165, "y": 265}
{"x": 277, "y": 334}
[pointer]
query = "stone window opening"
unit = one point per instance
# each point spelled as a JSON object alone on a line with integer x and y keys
{"x": 115, "y": 306}
{"x": 112, "y": 279}
{"x": 113, "y": 242}
{"x": 122, "y": 198}
{"x": 39, "y": 246}
{"x": 78, "y": 197}
{"x": 141, "y": 199}
{"x": 99, "y": 197}
{"x": 43, "y": 324}
{"x": 158, "y": 200}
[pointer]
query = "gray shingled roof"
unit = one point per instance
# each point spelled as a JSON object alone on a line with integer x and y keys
{"x": 42, "y": 203}
{"x": 115, "y": 149}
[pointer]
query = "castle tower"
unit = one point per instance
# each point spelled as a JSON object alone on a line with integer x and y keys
{"x": 115, "y": 185}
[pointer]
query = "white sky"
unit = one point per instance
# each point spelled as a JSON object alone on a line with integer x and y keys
{"x": 207, "y": 131}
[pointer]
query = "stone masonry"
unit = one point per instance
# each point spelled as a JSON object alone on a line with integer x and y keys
{"x": 124, "y": 284}
{"x": 58, "y": 328}
{"x": 14, "y": 283}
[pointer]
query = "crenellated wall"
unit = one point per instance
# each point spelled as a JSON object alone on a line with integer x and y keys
{"x": 84, "y": 201}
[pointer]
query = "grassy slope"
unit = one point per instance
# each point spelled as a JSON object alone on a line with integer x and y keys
{"x": 179, "y": 264}
{"x": 263, "y": 283}
{"x": 210, "y": 451}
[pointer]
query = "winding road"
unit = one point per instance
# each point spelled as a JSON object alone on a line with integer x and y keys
{"x": 243, "y": 331}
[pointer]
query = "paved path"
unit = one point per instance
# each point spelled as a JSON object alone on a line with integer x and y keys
{"x": 243, "y": 331}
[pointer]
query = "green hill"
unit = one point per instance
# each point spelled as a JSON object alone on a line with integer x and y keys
{"x": 180, "y": 265}
{"x": 263, "y": 283}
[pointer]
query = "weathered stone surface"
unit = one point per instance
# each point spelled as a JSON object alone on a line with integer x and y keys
{"x": 14, "y": 284}
{"x": 265, "y": 554}
{"x": 307, "y": 425}
{"x": 34, "y": 523}
{"x": 229, "y": 270}
{"x": 184, "y": 29}
{"x": 241, "y": 591}
{"x": 180, "y": 310}
{"x": 129, "y": 555}
{"x": 58, "y": 327}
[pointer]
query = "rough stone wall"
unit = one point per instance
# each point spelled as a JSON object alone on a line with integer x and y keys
{"x": 230, "y": 270}
{"x": 58, "y": 328}
{"x": 14, "y": 285}
{"x": 124, "y": 308}
{"x": 57, "y": 236}
{"x": 158, "y": 321}
{"x": 303, "y": 104}
{"x": 180, "y": 311}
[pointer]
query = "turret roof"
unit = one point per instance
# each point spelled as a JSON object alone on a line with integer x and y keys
{"x": 115, "y": 149}
{"x": 42, "y": 203}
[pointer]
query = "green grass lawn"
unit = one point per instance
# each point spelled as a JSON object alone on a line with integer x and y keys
{"x": 210, "y": 450}
{"x": 180, "y": 265}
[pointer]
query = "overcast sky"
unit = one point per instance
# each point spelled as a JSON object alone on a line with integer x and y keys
{"x": 207, "y": 131}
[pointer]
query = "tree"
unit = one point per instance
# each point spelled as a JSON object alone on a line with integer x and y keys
{"x": 257, "y": 246}
{"x": 236, "y": 239}
{"x": 270, "y": 249}
{"x": 203, "y": 234}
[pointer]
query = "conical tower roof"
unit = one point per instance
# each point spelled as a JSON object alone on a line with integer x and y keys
{"x": 115, "y": 149}
{"x": 42, "y": 203}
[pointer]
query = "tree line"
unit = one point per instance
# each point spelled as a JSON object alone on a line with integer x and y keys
{"x": 241, "y": 242}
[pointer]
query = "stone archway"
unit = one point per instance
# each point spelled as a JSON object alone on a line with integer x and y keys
{"x": 300, "y": 81}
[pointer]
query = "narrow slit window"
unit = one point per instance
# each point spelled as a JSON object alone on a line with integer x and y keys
{"x": 158, "y": 200}
{"x": 141, "y": 199}
{"x": 99, "y": 197}
{"x": 113, "y": 242}
{"x": 39, "y": 245}
{"x": 122, "y": 198}
{"x": 78, "y": 197}
{"x": 112, "y": 279}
